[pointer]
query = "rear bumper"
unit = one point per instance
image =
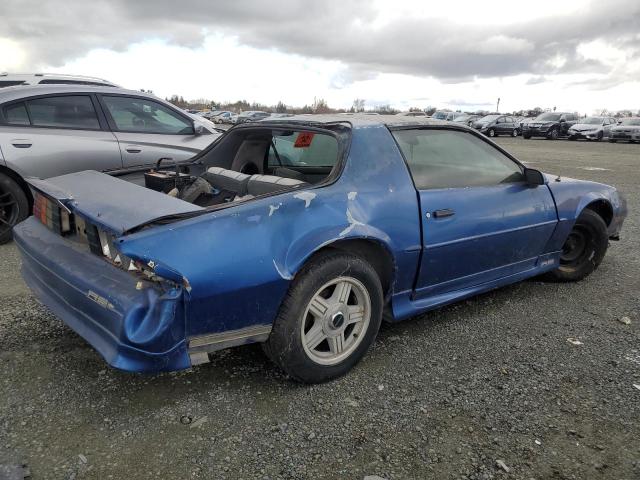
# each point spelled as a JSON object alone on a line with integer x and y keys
{"x": 134, "y": 330}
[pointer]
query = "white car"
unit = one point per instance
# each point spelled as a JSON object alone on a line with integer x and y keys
{"x": 592, "y": 128}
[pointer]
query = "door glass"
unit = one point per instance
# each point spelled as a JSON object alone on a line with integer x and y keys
{"x": 145, "y": 116}
{"x": 448, "y": 159}
{"x": 72, "y": 111}
{"x": 16, "y": 114}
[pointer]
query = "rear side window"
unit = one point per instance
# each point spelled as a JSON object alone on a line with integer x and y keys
{"x": 449, "y": 159}
{"x": 72, "y": 111}
{"x": 303, "y": 149}
{"x": 141, "y": 115}
{"x": 16, "y": 114}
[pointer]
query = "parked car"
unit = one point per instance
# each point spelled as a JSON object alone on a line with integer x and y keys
{"x": 303, "y": 232}
{"x": 51, "y": 130}
{"x": 444, "y": 115}
{"x": 551, "y": 125}
{"x": 494, "y": 125}
{"x": 467, "y": 119}
{"x": 628, "y": 129}
{"x": 222, "y": 116}
{"x": 592, "y": 128}
{"x": 412, "y": 114}
{"x": 15, "y": 79}
{"x": 251, "y": 116}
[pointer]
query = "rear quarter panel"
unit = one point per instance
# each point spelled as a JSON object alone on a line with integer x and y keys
{"x": 240, "y": 261}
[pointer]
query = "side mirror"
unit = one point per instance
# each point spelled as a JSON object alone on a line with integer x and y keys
{"x": 533, "y": 177}
{"x": 198, "y": 129}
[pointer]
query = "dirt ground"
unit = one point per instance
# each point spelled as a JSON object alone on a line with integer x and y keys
{"x": 488, "y": 388}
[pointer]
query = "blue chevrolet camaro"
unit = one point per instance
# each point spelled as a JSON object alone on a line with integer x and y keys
{"x": 301, "y": 233}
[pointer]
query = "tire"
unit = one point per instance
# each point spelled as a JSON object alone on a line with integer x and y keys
{"x": 553, "y": 134}
{"x": 514, "y": 132}
{"x": 14, "y": 206}
{"x": 573, "y": 139}
{"x": 583, "y": 250}
{"x": 611, "y": 140}
{"x": 492, "y": 133}
{"x": 526, "y": 136}
{"x": 322, "y": 280}
{"x": 599, "y": 137}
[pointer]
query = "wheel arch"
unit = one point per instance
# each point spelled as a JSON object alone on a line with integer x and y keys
{"x": 603, "y": 208}
{"x": 373, "y": 251}
{"x": 12, "y": 174}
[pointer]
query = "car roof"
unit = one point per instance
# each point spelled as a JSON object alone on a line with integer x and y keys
{"x": 18, "y": 92}
{"x": 357, "y": 120}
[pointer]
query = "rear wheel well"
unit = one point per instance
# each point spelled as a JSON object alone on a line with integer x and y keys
{"x": 374, "y": 253}
{"x": 20, "y": 181}
{"x": 602, "y": 208}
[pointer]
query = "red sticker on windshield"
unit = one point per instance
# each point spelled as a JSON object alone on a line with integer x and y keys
{"x": 304, "y": 140}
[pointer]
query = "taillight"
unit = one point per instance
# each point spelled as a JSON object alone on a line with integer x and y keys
{"x": 51, "y": 214}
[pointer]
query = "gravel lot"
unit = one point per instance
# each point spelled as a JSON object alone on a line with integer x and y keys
{"x": 488, "y": 388}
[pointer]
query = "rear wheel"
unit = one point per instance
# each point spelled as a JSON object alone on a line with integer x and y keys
{"x": 328, "y": 320}
{"x": 583, "y": 249}
{"x": 526, "y": 136}
{"x": 611, "y": 140}
{"x": 553, "y": 134}
{"x": 514, "y": 132}
{"x": 14, "y": 206}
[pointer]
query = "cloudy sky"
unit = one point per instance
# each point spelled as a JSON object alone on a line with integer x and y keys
{"x": 580, "y": 55}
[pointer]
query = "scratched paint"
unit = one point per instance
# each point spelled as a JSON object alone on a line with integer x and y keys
{"x": 306, "y": 197}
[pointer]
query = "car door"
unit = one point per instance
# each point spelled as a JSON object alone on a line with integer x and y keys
{"x": 50, "y": 135}
{"x": 480, "y": 220}
{"x": 148, "y": 130}
{"x": 500, "y": 125}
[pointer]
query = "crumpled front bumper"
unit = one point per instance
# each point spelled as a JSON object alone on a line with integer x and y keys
{"x": 134, "y": 330}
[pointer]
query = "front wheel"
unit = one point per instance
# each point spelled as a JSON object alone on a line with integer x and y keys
{"x": 492, "y": 133}
{"x": 584, "y": 248}
{"x": 553, "y": 134}
{"x": 14, "y": 207}
{"x": 514, "y": 132}
{"x": 526, "y": 136}
{"x": 328, "y": 319}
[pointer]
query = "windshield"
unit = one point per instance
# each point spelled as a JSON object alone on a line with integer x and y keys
{"x": 593, "y": 121}
{"x": 631, "y": 121}
{"x": 440, "y": 115}
{"x": 488, "y": 118}
{"x": 549, "y": 117}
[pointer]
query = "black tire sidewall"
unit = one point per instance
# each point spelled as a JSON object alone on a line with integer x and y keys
{"x": 284, "y": 345}
{"x": 598, "y": 244}
{"x": 9, "y": 184}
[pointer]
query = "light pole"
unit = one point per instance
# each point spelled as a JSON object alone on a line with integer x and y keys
{"x": 498, "y": 106}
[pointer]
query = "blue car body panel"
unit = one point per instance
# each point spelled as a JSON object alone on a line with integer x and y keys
{"x": 230, "y": 268}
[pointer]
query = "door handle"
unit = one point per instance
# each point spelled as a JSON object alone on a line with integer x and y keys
{"x": 21, "y": 143}
{"x": 133, "y": 149}
{"x": 445, "y": 212}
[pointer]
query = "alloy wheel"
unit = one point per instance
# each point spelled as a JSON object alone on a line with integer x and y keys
{"x": 336, "y": 320}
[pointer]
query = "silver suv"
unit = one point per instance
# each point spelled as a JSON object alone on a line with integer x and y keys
{"x": 51, "y": 130}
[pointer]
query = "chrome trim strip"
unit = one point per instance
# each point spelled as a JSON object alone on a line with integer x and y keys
{"x": 218, "y": 341}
